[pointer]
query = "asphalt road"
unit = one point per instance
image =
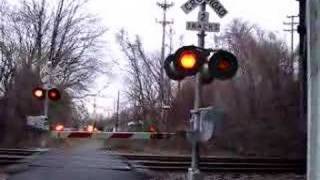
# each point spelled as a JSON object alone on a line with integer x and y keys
{"x": 81, "y": 161}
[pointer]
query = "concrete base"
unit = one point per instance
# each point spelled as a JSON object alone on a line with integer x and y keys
{"x": 194, "y": 174}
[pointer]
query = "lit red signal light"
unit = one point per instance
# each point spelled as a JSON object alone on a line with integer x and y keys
{"x": 59, "y": 127}
{"x": 90, "y": 128}
{"x": 39, "y": 93}
{"x": 54, "y": 94}
{"x": 152, "y": 128}
{"x": 188, "y": 60}
{"x": 223, "y": 65}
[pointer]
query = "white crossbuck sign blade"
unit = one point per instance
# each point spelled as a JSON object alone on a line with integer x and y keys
{"x": 214, "y": 4}
{"x": 206, "y": 26}
{"x": 191, "y": 5}
{"x": 217, "y": 7}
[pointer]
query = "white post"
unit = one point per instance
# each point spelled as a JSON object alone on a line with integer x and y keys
{"x": 47, "y": 87}
{"x": 313, "y": 50}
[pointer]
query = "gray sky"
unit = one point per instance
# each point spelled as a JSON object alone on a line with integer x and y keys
{"x": 139, "y": 17}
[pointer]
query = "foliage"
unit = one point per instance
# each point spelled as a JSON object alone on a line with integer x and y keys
{"x": 261, "y": 102}
{"x": 36, "y": 35}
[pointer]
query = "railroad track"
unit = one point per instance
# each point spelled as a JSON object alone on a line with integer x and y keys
{"x": 218, "y": 164}
{"x": 18, "y": 156}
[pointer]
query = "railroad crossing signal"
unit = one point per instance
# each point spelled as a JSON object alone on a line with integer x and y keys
{"x": 221, "y": 64}
{"x": 40, "y": 93}
{"x": 189, "y": 60}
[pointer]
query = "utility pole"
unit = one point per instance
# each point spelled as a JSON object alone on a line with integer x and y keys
{"x": 292, "y": 29}
{"x": 164, "y": 6}
{"x": 171, "y": 33}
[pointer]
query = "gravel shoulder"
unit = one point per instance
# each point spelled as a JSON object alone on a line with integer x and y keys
{"x": 228, "y": 176}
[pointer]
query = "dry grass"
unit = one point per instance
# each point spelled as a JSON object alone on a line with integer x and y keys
{"x": 160, "y": 147}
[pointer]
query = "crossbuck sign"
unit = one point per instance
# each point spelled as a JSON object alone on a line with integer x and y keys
{"x": 203, "y": 23}
{"x": 214, "y": 4}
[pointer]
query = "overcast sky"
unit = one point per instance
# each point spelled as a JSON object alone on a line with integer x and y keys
{"x": 139, "y": 17}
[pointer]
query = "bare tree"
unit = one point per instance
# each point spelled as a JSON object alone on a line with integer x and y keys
{"x": 36, "y": 32}
{"x": 261, "y": 102}
{"x": 143, "y": 77}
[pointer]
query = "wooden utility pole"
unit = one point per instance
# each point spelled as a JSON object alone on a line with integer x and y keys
{"x": 292, "y": 30}
{"x": 164, "y": 6}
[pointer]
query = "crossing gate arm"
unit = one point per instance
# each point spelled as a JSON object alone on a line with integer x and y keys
{"x": 110, "y": 135}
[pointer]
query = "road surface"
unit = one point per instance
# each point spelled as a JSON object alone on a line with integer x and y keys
{"x": 82, "y": 161}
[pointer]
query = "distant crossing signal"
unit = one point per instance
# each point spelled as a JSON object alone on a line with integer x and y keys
{"x": 59, "y": 127}
{"x": 40, "y": 93}
{"x": 189, "y": 60}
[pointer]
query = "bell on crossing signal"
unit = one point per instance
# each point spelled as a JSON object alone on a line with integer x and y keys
{"x": 185, "y": 62}
{"x": 39, "y": 93}
{"x": 54, "y": 94}
{"x": 223, "y": 65}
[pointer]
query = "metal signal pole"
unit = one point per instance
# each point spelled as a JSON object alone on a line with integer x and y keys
{"x": 165, "y": 6}
{"x": 313, "y": 76}
{"x": 117, "y": 120}
{"x": 48, "y": 86}
{"x": 195, "y": 172}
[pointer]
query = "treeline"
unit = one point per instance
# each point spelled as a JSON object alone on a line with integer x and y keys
{"x": 36, "y": 33}
{"x": 261, "y": 102}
